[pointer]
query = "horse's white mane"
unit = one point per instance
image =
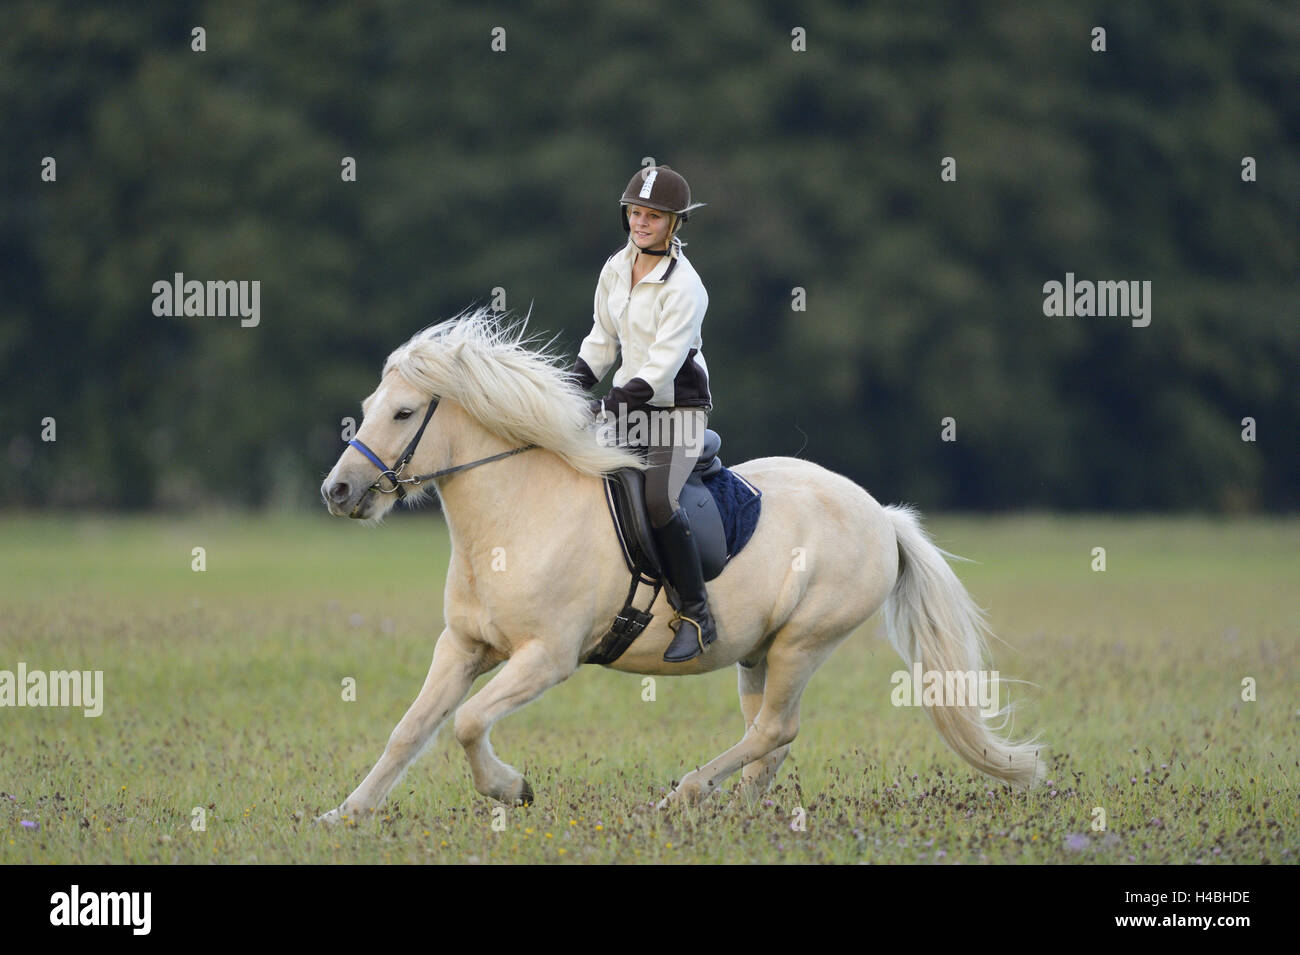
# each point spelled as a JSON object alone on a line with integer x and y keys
{"x": 526, "y": 396}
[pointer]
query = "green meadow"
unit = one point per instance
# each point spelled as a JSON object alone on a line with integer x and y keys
{"x": 225, "y": 730}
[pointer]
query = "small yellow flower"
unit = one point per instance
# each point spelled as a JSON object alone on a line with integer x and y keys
{"x": 528, "y": 832}
{"x": 563, "y": 851}
{"x": 549, "y": 836}
{"x": 599, "y": 827}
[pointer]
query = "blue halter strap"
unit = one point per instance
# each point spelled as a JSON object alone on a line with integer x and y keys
{"x": 394, "y": 474}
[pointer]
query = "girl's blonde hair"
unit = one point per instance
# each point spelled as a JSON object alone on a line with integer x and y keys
{"x": 674, "y": 243}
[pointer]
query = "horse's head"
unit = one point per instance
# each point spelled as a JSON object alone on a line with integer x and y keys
{"x": 492, "y": 393}
{"x": 392, "y": 444}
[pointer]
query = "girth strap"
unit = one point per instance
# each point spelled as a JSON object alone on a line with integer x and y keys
{"x": 627, "y": 626}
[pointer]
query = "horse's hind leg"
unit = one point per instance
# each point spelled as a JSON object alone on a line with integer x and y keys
{"x": 757, "y": 776}
{"x": 455, "y": 665}
{"x": 790, "y": 665}
{"x": 531, "y": 671}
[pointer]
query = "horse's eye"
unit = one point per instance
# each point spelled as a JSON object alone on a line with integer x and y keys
{"x": 403, "y": 414}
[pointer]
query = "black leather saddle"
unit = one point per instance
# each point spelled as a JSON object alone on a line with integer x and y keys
{"x": 625, "y": 495}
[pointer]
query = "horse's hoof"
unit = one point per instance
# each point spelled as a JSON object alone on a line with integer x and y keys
{"x": 331, "y": 818}
{"x": 525, "y": 797}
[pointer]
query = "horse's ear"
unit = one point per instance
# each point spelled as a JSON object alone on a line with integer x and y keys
{"x": 456, "y": 350}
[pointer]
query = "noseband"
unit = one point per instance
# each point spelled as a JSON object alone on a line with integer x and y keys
{"x": 394, "y": 474}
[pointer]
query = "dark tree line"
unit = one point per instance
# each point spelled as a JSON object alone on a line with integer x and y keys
{"x": 479, "y": 169}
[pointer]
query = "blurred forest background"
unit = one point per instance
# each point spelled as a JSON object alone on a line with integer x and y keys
{"x": 479, "y": 169}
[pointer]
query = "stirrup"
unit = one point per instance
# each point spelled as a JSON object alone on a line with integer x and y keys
{"x": 699, "y": 632}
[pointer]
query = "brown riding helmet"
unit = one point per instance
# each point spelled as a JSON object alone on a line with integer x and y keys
{"x": 658, "y": 187}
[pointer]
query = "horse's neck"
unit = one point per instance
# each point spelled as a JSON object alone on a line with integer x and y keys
{"x": 498, "y": 502}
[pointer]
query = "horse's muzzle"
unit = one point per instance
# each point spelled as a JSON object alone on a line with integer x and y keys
{"x": 337, "y": 496}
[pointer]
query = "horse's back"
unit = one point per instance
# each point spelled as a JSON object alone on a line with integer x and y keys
{"x": 799, "y": 476}
{"x": 806, "y": 503}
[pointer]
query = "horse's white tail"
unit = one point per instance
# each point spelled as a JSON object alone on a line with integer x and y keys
{"x": 932, "y": 620}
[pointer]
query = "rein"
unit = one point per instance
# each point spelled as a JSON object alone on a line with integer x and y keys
{"x": 394, "y": 474}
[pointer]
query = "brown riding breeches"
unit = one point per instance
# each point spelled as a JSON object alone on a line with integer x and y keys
{"x": 676, "y": 437}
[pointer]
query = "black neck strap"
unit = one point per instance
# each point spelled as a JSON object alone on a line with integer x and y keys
{"x": 393, "y": 473}
{"x": 409, "y": 453}
{"x": 671, "y": 265}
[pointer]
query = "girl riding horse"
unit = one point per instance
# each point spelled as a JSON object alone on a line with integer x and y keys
{"x": 650, "y": 304}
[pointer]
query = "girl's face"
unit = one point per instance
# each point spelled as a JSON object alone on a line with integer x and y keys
{"x": 649, "y": 227}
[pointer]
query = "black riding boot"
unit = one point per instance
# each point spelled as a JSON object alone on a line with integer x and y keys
{"x": 693, "y": 624}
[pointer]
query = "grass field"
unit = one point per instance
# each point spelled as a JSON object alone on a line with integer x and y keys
{"x": 223, "y": 691}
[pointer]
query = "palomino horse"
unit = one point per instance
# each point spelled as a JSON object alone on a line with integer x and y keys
{"x": 455, "y": 406}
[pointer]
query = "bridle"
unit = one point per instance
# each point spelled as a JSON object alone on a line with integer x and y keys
{"x": 394, "y": 474}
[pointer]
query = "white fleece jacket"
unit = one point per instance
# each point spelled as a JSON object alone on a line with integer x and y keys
{"x": 656, "y": 325}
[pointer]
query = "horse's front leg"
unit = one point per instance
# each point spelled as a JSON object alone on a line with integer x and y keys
{"x": 456, "y": 662}
{"x": 530, "y": 671}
